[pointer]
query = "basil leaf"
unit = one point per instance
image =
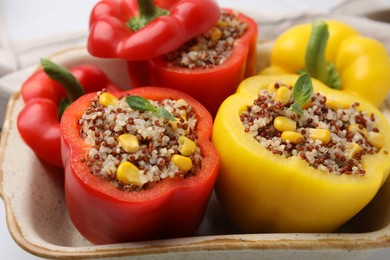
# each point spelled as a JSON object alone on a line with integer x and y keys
{"x": 142, "y": 104}
{"x": 297, "y": 108}
{"x": 302, "y": 92}
{"x": 139, "y": 103}
{"x": 164, "y": 113}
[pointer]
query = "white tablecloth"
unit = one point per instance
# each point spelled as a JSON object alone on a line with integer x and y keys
{"x": 30, "y": 30}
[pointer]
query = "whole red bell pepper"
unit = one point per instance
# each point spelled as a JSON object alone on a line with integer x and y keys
{"x": 45, "y": 99}
{"x": 105, "y": 214}
{"x": 143, "y": 29}
{"x": 209, "y": 85}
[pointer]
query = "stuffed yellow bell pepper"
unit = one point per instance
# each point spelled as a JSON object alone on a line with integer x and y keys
{"x": 337, "y": 55}
{"x": 268, "y": 135}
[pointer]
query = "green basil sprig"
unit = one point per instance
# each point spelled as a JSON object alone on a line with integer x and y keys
{"x": 302, "y": 92}
{"x": 142, "y": 104}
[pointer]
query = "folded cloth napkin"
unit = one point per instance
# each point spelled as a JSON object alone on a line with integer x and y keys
{"x": 270, "y": 28}
{"x": 8, "y": 62}
{"x": 28, "y": 55}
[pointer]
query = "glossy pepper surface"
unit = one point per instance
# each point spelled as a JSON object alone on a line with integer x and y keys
{"x": 264, "y": 192}
{"x": 39, "y": 121}
{"x": 104, "y": 214}
{"x": 111, "y": 35}
{"x": 361, "y": 62}
{"x": 209, "y": 85}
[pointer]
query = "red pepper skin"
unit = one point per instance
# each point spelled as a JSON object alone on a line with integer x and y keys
{"x": 104, "y": 214}
{"x": 210, "y": 86}
{"x": 109, "y": 36}
{"x": 38, "y": 121}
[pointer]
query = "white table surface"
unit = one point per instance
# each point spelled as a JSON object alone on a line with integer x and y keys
{"x": 26, "y": 21}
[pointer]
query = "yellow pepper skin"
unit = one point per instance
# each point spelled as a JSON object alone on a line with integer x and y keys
{"x": 264, "y": 192}
{"x": 362, "y": 62}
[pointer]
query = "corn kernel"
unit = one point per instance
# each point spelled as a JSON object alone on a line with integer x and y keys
{"x": 307, "y": 105}
{"x": 183, "y": 114}
{"x": 282, "y": 95}
{"x": 129, "y": 143}
{"x": 352, "y": 149}
{"x": 215, "y": 34}
{"x": 186, "y": 146}
{"x": 271, "y": 87}
{"x": 375, "y": 139}
{"x": 107, "y": 99}
{"x": 283, "y": 123}
{"x": 183, "y": 163}
{"x": 174, "y": 125}
{"x": 320, "y": 134}
{"x": 197, "y": 47}
{"x": 182, "y": 103}
{"x": 222, "y": 24}
{"x": 357, "y": 128}
{"x": 128, "y": 173}
{"x": 337, "y": 104}
{"x": 292, "y": 137}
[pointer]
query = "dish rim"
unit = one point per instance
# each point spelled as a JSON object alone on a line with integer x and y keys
{"x": 232, "y": 242}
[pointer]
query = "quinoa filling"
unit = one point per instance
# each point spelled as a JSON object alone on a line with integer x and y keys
{"x": 211, "y": 48}
{"x": 328, "y": 137}
{"x": 136, "y": 149}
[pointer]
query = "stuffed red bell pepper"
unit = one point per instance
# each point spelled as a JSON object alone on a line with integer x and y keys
{"x": 139, "y": 164}
{"x": 47, "y": 93}
{"x": 143, "y": 29}
{"x": 208, "y": 67}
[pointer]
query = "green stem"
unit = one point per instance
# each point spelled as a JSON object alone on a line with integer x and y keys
{"x": 315, "y": 51}
{"x": 148, "y": 11}
{"x": 72, "y": 86}
{"x": 146, "y": 8}
{"x": 316, "y": 64}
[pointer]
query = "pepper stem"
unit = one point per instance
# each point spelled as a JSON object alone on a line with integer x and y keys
{"x": 148, "y": 11}
{"x": 316, "y": 64}
{"x": 146, "y": 7}
{"x": 72, "y": 86}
